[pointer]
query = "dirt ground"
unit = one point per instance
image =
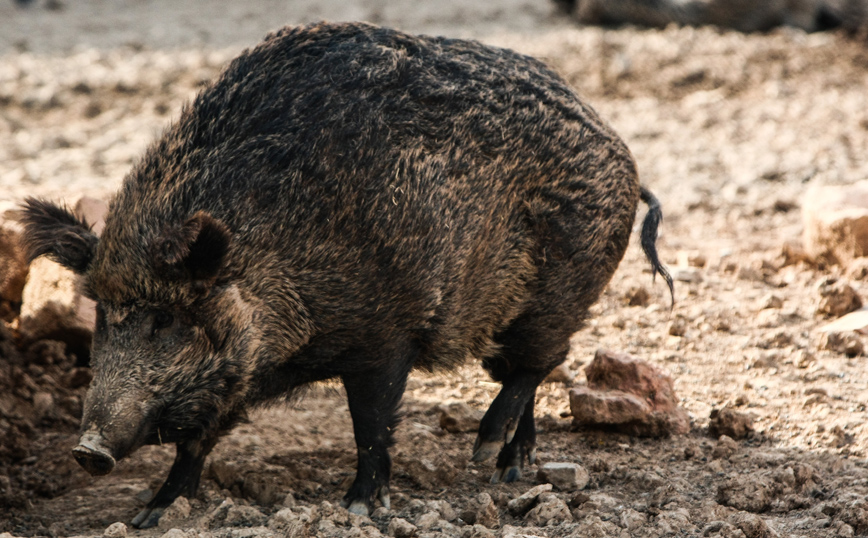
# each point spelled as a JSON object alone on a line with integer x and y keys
{"x": 729, "y": 131}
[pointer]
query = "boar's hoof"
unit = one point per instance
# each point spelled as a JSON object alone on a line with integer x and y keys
{"x": 358, "y": 507}
{"x": 506, "y": 475}
{"x": 483, "y": 451}
{"x": 147, "y": 518}
{"x": 94, "y": 458}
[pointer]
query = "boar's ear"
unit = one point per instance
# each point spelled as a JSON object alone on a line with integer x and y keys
{"x": 54, "y": 231}
{"x": 194, "y": 250}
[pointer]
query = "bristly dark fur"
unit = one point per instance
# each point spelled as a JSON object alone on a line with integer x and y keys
{"x": 58, "y": 233}
{"x": 649, "y": 238}
{"x": 348, "y": 201}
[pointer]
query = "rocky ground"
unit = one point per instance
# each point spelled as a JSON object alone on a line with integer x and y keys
{"x": 729, "y": 131}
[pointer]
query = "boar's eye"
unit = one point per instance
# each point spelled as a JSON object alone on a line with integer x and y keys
{"x": 162, "y": 320}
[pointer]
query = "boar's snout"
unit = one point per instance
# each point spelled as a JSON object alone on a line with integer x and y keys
{"x": 93, "y": 455}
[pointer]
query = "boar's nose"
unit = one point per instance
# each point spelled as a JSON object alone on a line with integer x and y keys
{"x": 93, "y": 456}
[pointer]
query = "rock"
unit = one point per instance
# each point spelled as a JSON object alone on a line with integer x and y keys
{"x": 837, "y": 298}
{"x": 459, "y": 417}
{"x": 854, "y": 321}
{"x": 263, "y": 488}
{"x": 482, "y": 511}
{"x": 292, "y": 523}
{"x": 215, "y": 517}
{"x": 427, "y": 520}
{"x": 176, "y": 512}
{"x": 678, "y": 326}
{"x": 633, "y": 396}
{"x": 175, "y": 533}
{"x": 244, "y": 516}
{"x": 632, "y": 520}
{"x": 593, "y": 526}
{"x": 687, "y": 274}
{"x": 53, "y": 308}
{"x": 637, "y": 296}
{"x": 849, "y": 344}
{"x": 225, "y": 473}
{"x": 563, "y": 476}
{"x": 13, "y": 273}
{"x": 428, "y": 474}
{"x": 549, "y": 511}
{"x": 43, "y": 404}
{"x": 752, "y": 525}
{"x": 730, "y": 422}
{"x": 401, "y": 528}
{"x": 725, "y": 447}
{"x": 527, "y": 500}
{"x": 476, "y": 531}
{"x": 835, "y": 222}
{"x": 115, "y": 530}
{"x": 750, "y": 493}
{"x": 771, "y": 301}
{"x": 444, "y": 509}
{"x": 685, "y": 258}
{"x": 793, "y": 253}
{"x": 561, "y": 374}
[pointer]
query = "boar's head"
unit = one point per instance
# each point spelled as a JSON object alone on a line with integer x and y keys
{"x": 170, "y": 331}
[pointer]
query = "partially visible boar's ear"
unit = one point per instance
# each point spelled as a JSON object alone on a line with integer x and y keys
{"x": 54, "y": 231}
{"x": 194, "y": 250}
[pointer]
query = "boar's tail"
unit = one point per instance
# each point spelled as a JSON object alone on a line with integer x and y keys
{"x": 649, "y": 238}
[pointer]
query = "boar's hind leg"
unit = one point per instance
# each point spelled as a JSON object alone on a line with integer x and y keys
{"x": 373, "y": 397}
{"x": 183, "y": 479}
{"x": 526, "y": 357}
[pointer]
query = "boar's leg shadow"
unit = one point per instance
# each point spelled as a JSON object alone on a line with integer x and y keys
{"x": 524, "y": 361}
{"x": 183, "y": 480}
{"x": 373, "y": 396}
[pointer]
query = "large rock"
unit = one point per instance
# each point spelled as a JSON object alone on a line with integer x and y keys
{"x": 628, "y": 395}
{"x": 564, "y": 476}
{"x": 836, "y": 222}
{"x": 52, "y": 305}
{"x": 13, "y": 273}
{"x": 459, "y": 417}
{"x": 54, "y": 309}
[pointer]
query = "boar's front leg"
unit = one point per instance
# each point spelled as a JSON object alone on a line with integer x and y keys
{"x": 373, "y": 397}
{"x": 183, "y": 479}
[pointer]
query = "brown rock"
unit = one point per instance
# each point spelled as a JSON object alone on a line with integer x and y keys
{"x": 752, "y": 525}
{"x": 527, "y": 500}
{"x": 637, "y": 296}
{"x": 459, "y": 417}
{"x": 747, "y": 492}
{"x": 115, "y": 530}
{"x": 54, "y": 309}
{"x": 845, "y": 343}
{"x": 549, "y": 511}
{"x": 837, "y": 298}
{"x": 632, "y": 396}
{"x": 175, "y": 513}
{"x": 13, "y": 273}
{"x": 481, "y": 511}
{"x": 431, "y": 473}
{"x": 564, "y": 476}
{"x": 724, "y": 448}
{"x": 561, "y": 374}
{"x": 729, "y": 422}
{"x": 836, "y": 222}
{"x": 401, "y": 528}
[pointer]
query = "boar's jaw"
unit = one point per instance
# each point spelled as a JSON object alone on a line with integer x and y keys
{"x": 92, "y": 454}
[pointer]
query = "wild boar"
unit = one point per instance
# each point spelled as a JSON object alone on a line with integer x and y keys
{"x": 346, "y": 201}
